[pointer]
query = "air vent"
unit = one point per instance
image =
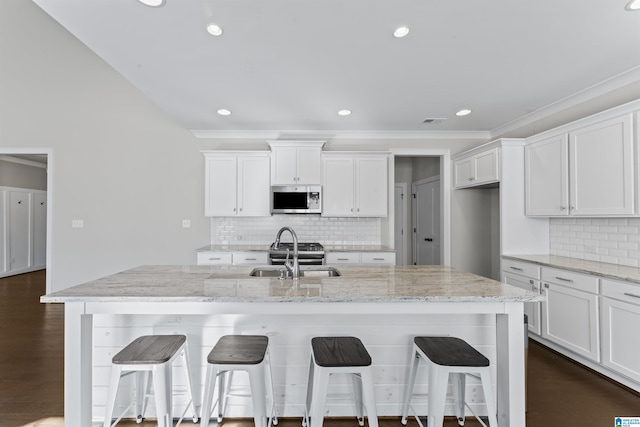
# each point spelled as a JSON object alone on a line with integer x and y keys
{"x": 434, "y": 120}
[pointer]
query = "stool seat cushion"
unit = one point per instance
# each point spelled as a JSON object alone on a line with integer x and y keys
{"x": 239, "y": 350}
{"x": 149, "y": 350}
{"x": 450, "y": 351}
{"x": 339, "y": 351}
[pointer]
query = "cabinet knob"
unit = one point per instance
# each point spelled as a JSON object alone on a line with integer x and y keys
{"x": 562, "y": 208}
{"x": 546, "y": 285}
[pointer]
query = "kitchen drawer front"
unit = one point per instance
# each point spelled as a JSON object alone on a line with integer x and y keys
{"x": 623, "y": 291}
{"x": 378, "y": 258}
{"x": 214, "y": 258}
{"x": 521, "y": 268}
{"x": 581, "y": 282}
{"x": 250, "y": 258}
{"x": 342, "y": 258}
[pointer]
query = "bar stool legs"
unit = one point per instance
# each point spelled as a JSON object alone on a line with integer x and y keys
{"x": 449, "y": 358}
{"x": 339, "y": 355}
{"x": 248, "y": 353}
{"x": 145, "y": 356}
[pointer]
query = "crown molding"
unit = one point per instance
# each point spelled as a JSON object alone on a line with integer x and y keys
{"x": 341, "y": 134}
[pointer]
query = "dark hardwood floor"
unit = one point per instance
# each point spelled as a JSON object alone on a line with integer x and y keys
{"x": 560, "y": 393}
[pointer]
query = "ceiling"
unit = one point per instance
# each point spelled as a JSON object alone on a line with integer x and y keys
{"x": 290, "y": 65}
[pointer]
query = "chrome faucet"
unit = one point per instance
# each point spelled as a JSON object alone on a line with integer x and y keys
{"x": 292, "y": 266}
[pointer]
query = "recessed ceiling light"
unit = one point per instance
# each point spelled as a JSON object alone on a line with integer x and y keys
{"x": 344, "y": 112}
{"x": 214, "y": 30}
{"x": 152, "y": 3}
{"x": 463, "y": 112}
{"x": 224, "y": 112}
{"x": 401, "y": 32}
{"x": 633, "y": 5}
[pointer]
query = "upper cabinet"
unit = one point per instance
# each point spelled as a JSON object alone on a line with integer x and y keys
{"x": 237, "y": 183}
{"x": 476, "y": 169}
{"x": 296, "y": 162}
{"x": 586, "y": 171}
{"x": 355, "y": 184}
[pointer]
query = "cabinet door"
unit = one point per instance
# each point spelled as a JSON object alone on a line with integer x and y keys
{"x": 337, "y": 186}
{"x": 546, "y": 177}
{"x": 39, "y": 229}
{"x": 19, "y": 232}
{"x": 570, "y": 319}
{"x": 531, "y": 309}
{"x": 309, "y": 165}
{"x": 220, "y": 186}
{"x": 342, "y": 258}
{"x": 601, "y": 168}
{"x": 4, "y": 253}
{"x": 253, "y": 186}
{"x": 620, "y": 346}
{"x": 463, "y": 172}
{"x": 284, "y": 166}
{"x": 486, "y": 167}
{"x": 386, "y": 258}
{"x": 214, "y": 258}
{"x": 372, "y": 186}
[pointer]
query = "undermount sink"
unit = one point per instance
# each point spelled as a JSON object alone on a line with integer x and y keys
{"x": 315, "y": 271}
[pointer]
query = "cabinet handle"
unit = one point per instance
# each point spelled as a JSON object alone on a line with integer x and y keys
{"x": 251, "y": 259}
{"x": 343, "y": 259}
{"x": 240, "y": 209}
{"x": 562, "y": 208}
{"x": 563, "y": 279}
{"x": 531, "y": 282}
{"x": 629, "y": 294}
{"x": 571, "y": 208}
{"x": 215, "y": 259}
{"x": 382, "y": 259}
{"x": 470, "y": 179}
{"x": 546, "y": 285}
{"x": 516, "y": 268}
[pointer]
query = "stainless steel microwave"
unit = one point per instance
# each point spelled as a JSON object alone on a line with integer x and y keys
{"x": 296, "y": 199}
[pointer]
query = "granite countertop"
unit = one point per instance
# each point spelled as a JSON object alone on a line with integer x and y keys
{"x": 233, "y": 284}
{"x": 265, "y": 247}
{"x": 602, "y": 269}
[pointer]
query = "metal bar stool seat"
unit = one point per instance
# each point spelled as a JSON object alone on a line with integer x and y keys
{"x": 145, "y": 356}
{"x": 339, "y": 355}
{"x": 444, "y": 356}
{"x": 248, "y": 353}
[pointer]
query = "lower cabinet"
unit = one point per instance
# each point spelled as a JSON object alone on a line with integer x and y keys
{"x": 620, "y": 313}
{"x": 385, "y": 258}
{"x": 232, "y": 258}
{"x": 531, "y": 309}
{"x": 570, "y": 312}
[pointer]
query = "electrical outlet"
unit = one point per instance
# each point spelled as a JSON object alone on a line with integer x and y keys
{"x": 77, "y": 223}
{"x": 186, "y": 223}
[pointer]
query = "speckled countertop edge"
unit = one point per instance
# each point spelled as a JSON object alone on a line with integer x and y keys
{"x": 265, "y": 248}
{"x": 600, "y": 269}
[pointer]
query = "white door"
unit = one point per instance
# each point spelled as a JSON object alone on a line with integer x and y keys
{"x": 39, "y": 229}
{"x": 19, "y": 230}
{"x": 547, "y": 177}
{"x": 400, "y": 226}
{"x": 427, "y": 222}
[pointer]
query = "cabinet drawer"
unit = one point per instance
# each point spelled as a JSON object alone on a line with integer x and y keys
{"x": 214, "y": 258}
{"x": 623, "y": 291}
{"x": 581, "y": 282}
{"x": 249, "y": 258}
{"x": 378, "y": 258}
{"x": 343, "y": 258}
{"x": 521, "y": 268}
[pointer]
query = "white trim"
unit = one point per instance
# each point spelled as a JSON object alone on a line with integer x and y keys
{"x": 50, "y": 180}
{"x": 23, "y": 161}
{"x": 340, "y": 134}
{"x": 404, "y": 188}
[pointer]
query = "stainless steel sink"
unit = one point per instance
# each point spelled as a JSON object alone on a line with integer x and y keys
{"x": 315, "y": 271}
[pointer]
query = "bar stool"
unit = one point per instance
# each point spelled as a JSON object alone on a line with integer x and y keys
{"x": 145, "y": 356}
{"x": 339, "y": 355}
{"x": 444, "y": 356}
{"x": 248, "y": 353}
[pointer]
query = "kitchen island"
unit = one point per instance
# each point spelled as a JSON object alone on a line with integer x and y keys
{"x": 384, "y": 305}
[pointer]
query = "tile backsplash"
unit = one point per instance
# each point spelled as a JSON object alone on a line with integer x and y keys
{"x": 612, "y": 240}
{"x": 308, "y": 228}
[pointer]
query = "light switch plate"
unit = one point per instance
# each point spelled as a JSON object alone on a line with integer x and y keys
{"x": 186, "y": 223}
{"x": 77, "y": 223}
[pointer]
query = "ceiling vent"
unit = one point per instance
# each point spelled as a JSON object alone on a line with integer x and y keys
{"x": 434, "y": 120}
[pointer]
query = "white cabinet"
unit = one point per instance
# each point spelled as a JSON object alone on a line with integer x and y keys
{"x": 237, "y": 183}
{"x": 296, "y": 162}
{"x": 214, "y": 258}
{"x": 620, "y": 314}
{"x": 525, "y": 276}
{"x": 587, "y": 171}
{"x": 250, "y": 258}
{"x": 570, "y": 314}
{"x": 232, "y": 258}
{"x": 382, "y": 258}
{"x": 355, "y": 185}
{"x": 478, "y": 169}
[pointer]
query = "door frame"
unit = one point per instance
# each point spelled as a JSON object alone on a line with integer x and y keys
{"x": 404, "y": 220}
{"x": 445, "y": 193}
{"x": 49, "y": 153}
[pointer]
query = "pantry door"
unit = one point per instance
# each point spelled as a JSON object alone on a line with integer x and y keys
{"x": 426, "y": 221}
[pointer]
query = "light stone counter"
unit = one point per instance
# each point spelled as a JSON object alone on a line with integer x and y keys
{"x": 233, "y": 284}
{"x": 602, "y": 269}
